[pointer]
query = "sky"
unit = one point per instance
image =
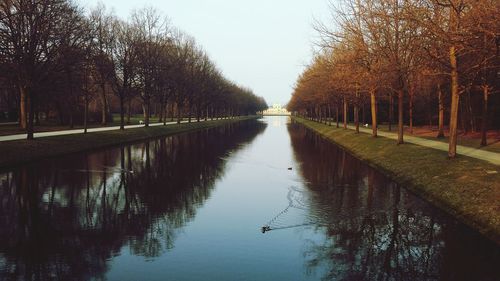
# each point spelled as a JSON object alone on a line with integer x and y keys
{"x": 260, "y": 44}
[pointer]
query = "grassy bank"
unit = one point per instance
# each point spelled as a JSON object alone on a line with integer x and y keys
{"x": 21, "y": 151}
{"x": 466, "y": 188}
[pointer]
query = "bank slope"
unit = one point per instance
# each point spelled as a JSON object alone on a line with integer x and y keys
{"x": 22, "y": 151}
{"x": 465, "y": 187}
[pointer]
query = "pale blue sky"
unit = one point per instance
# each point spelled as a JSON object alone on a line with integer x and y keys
{"x": 259, "y": 44}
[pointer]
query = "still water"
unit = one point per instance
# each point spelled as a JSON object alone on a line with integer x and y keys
{"x": 192, "y": 207}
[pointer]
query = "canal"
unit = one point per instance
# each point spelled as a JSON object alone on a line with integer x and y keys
{"x": 192, "y": 207}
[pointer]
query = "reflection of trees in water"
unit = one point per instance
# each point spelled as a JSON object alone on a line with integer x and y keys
{"x": 378, "y": 231}
{"x": 65, "y": 218}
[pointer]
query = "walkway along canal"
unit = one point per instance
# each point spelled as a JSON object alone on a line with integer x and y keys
{"x": 191, "y": 207}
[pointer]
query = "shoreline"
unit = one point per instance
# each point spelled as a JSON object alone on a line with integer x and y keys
{"x": 18, "y": 152}
{"x": 466, "y": 188}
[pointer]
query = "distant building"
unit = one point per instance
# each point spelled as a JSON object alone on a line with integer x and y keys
{"x": 276, "y": 109}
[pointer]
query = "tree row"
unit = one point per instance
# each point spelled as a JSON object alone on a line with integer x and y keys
{"x": 426, "y": 60}
{"x": 60, "y": 61}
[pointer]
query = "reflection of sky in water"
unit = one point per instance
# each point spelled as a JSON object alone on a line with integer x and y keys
{"x": 277, "y": 121}
{"x": 224, "y": 241}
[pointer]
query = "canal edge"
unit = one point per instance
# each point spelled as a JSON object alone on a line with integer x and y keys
{"x": 28, "y": 151}
{"x": 483, "y": 225}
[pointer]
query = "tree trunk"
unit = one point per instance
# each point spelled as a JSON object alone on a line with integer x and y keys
{"x": 470, "y": 114}
{"x": 363, "y": 117}
{"x": 441, "y": 113}
{"x": 337, "y": 115}
{"x": 31, "y": 115}
{"x": 160, "y": 114}
{"x": 400, "y": 117}
{"x": 104, "y": 104}
{"x": 329, "y": 115}
{"x": 71, "y": 96}
{"x": 373, "y": 108}
{"x": 37, "y": 117}
{"x": 345, "y": 113}
{"x": 23, "y": 108}
{"x": 356, "y": 112}
{"x": 86, "y": 113}
{"x": 411, "y": 93}
{"x": 178, "y": 111}
{"x": 391, "y": 111}
{"x": 484, "y": 121}
{"x": 71, "y": 120}
{"x": 172, "y": 115}
{"x": 147, "y": 112}
{"x": 129, "y": 110}
{"x": 165, "y": 111}
{"x": 60, "y": 113}
{"x": 452, "y": 149}
{"x": 356, "y": 118}
{"x": 122, "y": 112}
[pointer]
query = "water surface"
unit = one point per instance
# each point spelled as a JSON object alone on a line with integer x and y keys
{"x": 191, "y": 207}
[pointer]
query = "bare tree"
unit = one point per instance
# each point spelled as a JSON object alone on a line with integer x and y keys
{"x": 32, "y": 34}
{"x": 152, "y": 29}
{"x": 125, "y": 60}
{"x": 103, "y": 42}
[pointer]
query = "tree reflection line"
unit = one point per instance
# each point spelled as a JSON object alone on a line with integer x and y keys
{"x": 376, "y": 230}
{"x": 75, "y": 222}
